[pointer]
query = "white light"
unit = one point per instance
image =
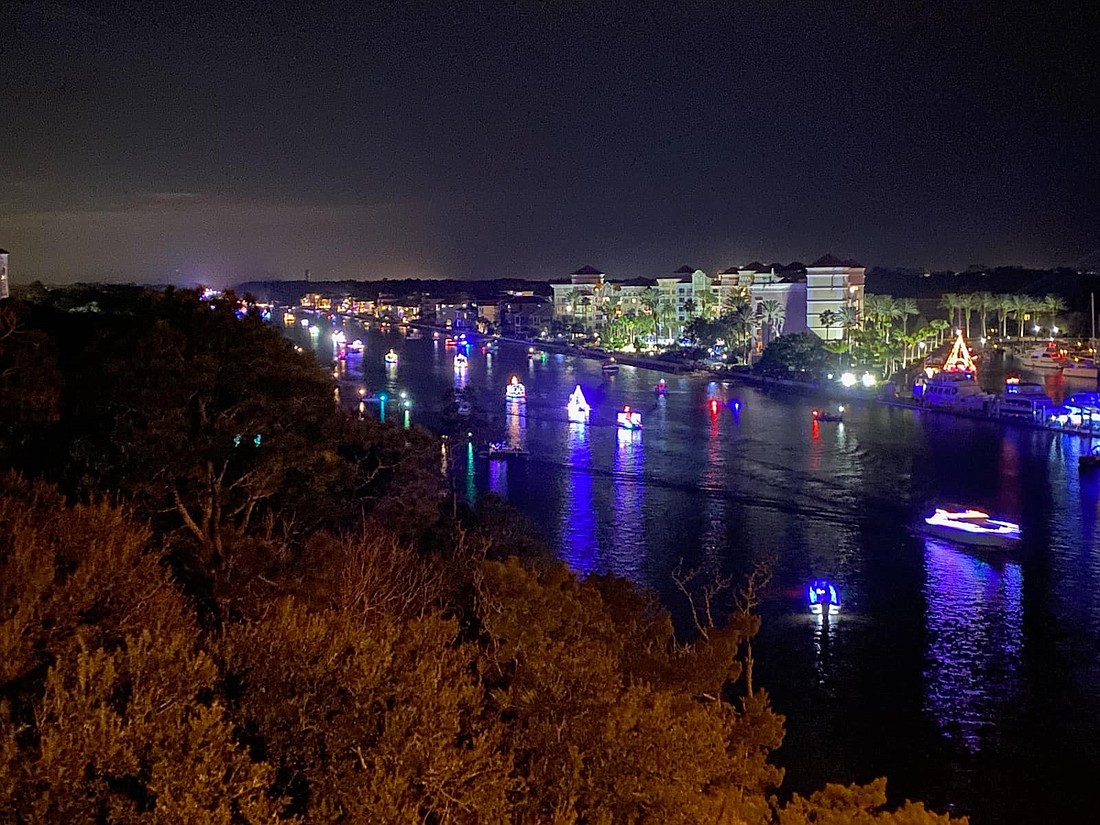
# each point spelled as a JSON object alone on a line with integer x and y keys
{"x": 1035, "y": 329}
{"x": 868, "y": 380}
{"x": 848, "y": 379}
{"x": 1054, "y": 330}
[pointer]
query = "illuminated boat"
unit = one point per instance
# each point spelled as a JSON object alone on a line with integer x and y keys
{"x": 823, "y": 598}
{"x": 435, "y": 336}
{"x": 288, "y": 318}
{"x": 501, "y": 450}
{"x": 629, "y": 420}
{"x": 969, "y": 526}
{"x": 414, "y": 334}
{"x": 822, "y": 415}
{"x": 661, "y": 388}
{"x": 461, "y": 361}
{"x": 356, "y": 346}
{"x": 448, "y": 342}
{"x": 1074, "y": 367}
{"x": 391, "y": 358}
{"x": 609, "y": 367}
{"x": 578, "y": 406}
{"x": 515, "y": 391}
{"x": 1045, "y": 358}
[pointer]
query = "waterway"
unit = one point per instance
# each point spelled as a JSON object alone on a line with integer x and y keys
{"x": 971, "y": 680}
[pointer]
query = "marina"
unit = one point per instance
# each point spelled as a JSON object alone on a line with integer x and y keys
{"x": 936, "y": 664}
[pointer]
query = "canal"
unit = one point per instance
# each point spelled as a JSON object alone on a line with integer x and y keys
{"x": 970, "y": 680}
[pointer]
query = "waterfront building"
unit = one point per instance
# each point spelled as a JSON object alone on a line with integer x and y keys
{"x": 525, "y": 315}
{"x": 832, "y": 284}
{"x": 4, "y": 288}
{"x": 588, "y": 300}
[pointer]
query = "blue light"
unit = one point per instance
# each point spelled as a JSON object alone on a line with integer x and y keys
{"x": 823, "y": 598}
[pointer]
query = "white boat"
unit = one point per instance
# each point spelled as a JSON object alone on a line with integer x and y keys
{"x": 1044, "y": 358}
{"x": 515, "y": 391}
{"x": 954, "y": 391}
{"x": 461, "y": 361}
{"x": 578, "y": 406}
{"x": 629, "y": 420}
{"x": 969, "y": 526}
{"x": 391, "y": 358}
{"x": 609, "y": 367}
{"x": 356, "y": 346}
{"x": 414, "y": 334}
{"x": 1080, "y": 368}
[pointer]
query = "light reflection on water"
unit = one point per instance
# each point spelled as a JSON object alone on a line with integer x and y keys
{"x": 940, "y": 662}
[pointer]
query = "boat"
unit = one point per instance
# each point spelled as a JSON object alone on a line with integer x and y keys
{"x": 578, "y": 406}
{"x": 356, "y": 345}
{"x": 448, "y": 342}
{"x": 966, "y": 525}
{"x": 461, "y": 361}
{"x": 1090, "y": 461}
{"x": 500, "y": 450}
{"x": 1074, "y": 367}
{"x": 288, "y": 318}
{"x": 609, "y": 367}
{"x": 515, "y": 391}
{"x": 629, "y": 420}
{"x": 823, "y": 598}
{"x": 1044, "y": 358}
{"x": 1023, "y": 401}
{"x": 822, "y": 415}
{"x": 954, "y": 391}
{"x": 414, "y": 334}
{"x": 661, "y": 388}
{"x": 390, "y": 358}
{"x": 435, "y": 336}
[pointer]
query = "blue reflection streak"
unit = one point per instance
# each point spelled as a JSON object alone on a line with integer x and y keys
{"x": 580, "y": 546}
{"x": 498, "y": 478}
{"x": 628, "y": 539}
{"x": 975, "y": 637}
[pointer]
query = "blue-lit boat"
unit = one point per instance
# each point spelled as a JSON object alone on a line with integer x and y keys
{"x": 502, "y": 450}
{"x": 661, "y": 388}
{"x": 969, "y": 526}
{"x": 823, "y": 598}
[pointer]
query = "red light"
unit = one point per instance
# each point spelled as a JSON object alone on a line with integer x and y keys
{"x": 815, "y": 413}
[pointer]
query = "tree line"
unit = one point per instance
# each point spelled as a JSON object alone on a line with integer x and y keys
{"x": 224, "y": 601}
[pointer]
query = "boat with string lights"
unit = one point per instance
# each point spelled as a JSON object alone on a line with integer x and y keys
{"x": 610, "y": 366}
{"x": 823, "y": 598}
{"x": 391, "y": 358}
{"x": 627, "y": 419}
{"x": 578, "y": 407}
{"x": 966, "y": 525}
{"x": 461, "y": 361}
{"x": 515, "y": 391}
{"x": 661, "y": 388}
{"x": 502, "y": 450}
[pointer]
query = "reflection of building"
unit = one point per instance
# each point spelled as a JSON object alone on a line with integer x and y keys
{"x": 3, "y": 274}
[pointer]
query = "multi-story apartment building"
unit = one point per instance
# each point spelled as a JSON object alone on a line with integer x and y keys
{"x": 832, "y": 284}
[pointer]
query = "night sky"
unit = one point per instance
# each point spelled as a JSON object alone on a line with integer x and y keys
{"x": 184, "y": 141}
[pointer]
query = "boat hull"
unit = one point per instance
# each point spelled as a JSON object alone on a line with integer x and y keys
{"x": 955, "y": 536}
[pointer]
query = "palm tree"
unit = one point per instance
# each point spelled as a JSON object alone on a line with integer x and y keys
{"x": 940, "y": 327}
{"x": 985, "y": 303}
{"x": 707, "y": 301}
{"x": 828, "y": 320}
{"x": 1021, "y": 304}
{"x": 966, "y": 309}
{"x": 1052, "y": 305}
{"x": 906, "y": 307}
{"x": 950, "y": 302}
{"x": 742, "y": 323}
{"x": 772, "y": 313}
{"x": 1003, "y": 303}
